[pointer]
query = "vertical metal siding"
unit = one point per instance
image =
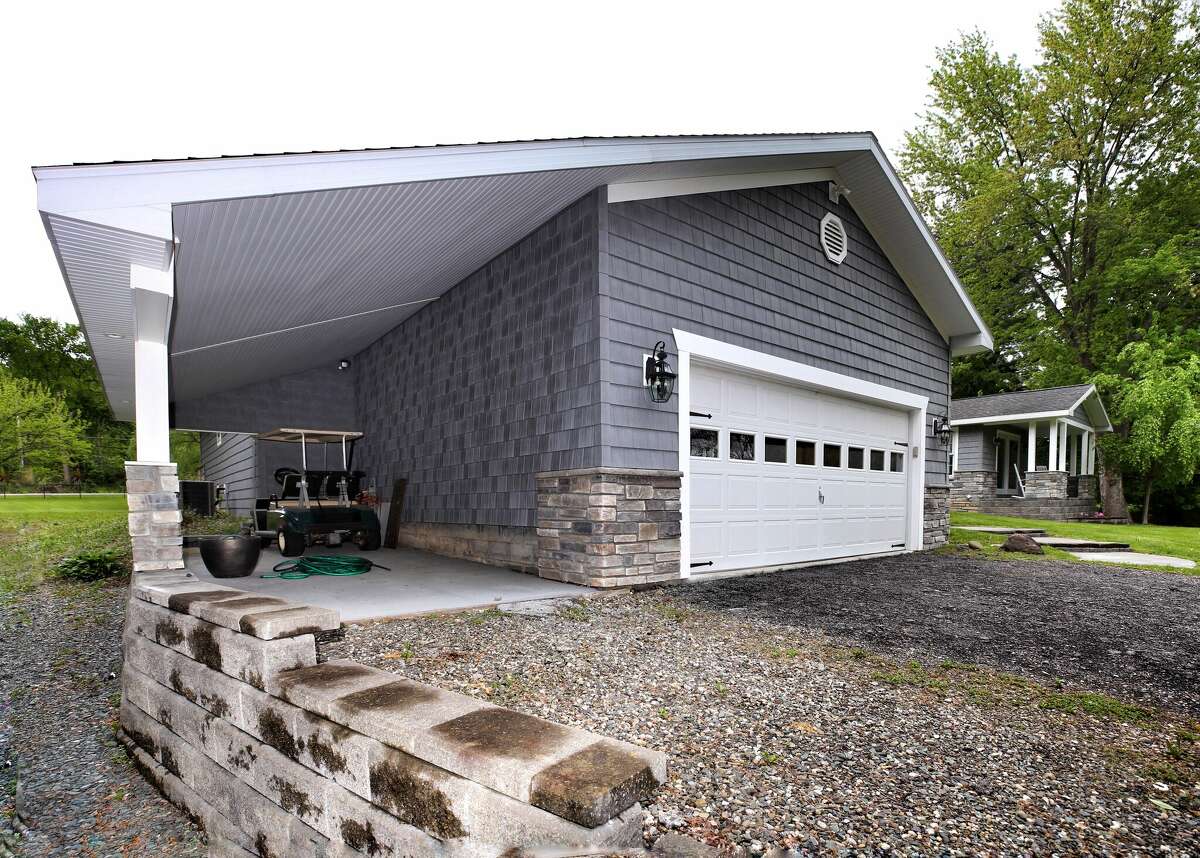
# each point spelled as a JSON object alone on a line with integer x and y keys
{"x": 746, "y": 267}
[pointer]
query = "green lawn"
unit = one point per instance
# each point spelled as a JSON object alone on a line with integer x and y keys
{"x": 37, "y": 532}
{"x": 1149, "y": 538}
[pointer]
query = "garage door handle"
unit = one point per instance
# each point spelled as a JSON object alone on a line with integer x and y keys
{"x": 820, "y": 496}
{"x": 700, "y": 414}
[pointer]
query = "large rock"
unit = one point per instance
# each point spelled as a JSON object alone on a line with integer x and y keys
{"x": 1023, "y": 543}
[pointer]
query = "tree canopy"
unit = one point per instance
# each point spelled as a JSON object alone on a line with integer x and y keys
{"x": 1067, "y": 193}
{"x": 39, "y": 431}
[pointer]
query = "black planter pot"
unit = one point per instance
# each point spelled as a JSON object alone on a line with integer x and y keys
{"x": 230, "y": 556}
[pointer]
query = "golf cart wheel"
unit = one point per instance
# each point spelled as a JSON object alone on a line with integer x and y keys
{"x": 290, "y": 544}
{"x": 367, "y": 540}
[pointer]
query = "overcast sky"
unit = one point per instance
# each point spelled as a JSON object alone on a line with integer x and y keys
{"x": 121, "y": 81}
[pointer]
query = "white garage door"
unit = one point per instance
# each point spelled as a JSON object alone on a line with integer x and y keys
{"x": 780, "y": 474}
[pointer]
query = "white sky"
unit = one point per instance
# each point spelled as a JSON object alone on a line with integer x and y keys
{"x": 126, "y": 81}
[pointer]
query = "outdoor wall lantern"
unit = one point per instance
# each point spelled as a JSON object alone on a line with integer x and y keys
{"x": 343, "y": 364}
{"x": 941, "y": 430}
{"x": 660, "y": 380}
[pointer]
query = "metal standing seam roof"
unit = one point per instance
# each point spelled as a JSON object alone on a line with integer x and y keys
{"x": 1048, "y": 400}
{"x": 282, "y": 262}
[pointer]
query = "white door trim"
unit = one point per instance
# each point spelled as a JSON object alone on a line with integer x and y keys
{"x": 710, "y": 351}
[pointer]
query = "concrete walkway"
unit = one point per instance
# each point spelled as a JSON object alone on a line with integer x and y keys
{"x": 1134, "y": 557}
{"x": 415, "y": 582}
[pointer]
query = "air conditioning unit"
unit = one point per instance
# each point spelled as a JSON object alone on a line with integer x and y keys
{"x": 198, "y": 496}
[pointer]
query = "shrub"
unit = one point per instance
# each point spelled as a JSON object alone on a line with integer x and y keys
{"x": 211, "y": 525}
{"x": 90, "y": 565}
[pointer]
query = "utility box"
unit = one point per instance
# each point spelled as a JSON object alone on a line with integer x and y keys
{"x": 198, "y": 496}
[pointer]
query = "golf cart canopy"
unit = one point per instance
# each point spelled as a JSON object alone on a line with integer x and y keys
{"x": 312, "y": 436}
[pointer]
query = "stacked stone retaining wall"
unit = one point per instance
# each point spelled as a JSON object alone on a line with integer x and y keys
{"x": 227, "y": 710}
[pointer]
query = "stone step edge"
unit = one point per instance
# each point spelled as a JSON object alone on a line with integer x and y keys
{"x": 263, "y": 617}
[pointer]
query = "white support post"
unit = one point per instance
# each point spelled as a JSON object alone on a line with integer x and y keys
{"x": 1031, "y": 456}
{"x": 1061, "y": 460}
{"x": 1091, "y": 453}
{"x": 153, "y": 293}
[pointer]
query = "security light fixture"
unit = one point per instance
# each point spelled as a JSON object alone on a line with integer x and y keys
{"x": 660, "y": 380}
{"x": 941, "y": 430}
{"x": 343, "y": 364}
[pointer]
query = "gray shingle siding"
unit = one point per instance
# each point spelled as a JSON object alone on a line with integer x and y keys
{"x": 493, "y": 382}
{"x": 232, "y": 462}
{"x": 746, "y": 267}
{"x": 321, "y": 398}
{"x": 976, "y": 449}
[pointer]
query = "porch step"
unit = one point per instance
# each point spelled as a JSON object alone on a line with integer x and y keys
{"x": 1002, "y": 531}
{"x": 1069, "y": 544}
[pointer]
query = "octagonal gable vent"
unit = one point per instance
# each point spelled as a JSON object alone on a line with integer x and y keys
{"x": 833, "y": 238}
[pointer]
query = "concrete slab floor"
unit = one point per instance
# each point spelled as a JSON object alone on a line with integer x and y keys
{"x": 1135, "y": 557}
{"x": 415, "y": 582}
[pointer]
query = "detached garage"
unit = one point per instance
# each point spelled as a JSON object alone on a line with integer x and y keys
{"x": 483, "y": 313}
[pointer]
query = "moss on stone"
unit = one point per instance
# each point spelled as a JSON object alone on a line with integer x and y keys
{"x": 204, "y": 646}
{"x": 397, "y": 788}
{"x": 361, "y": 837}
{"x": 276, "y": 734}
{"x": 167, "y": 633}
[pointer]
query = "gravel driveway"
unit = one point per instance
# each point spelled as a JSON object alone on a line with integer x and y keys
{"x": 1135, "y": 634}
{"x": 782, "y": 735}
{"x": 76, "y": 794}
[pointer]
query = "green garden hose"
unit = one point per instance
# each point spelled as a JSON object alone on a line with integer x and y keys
{"x": 333, "y": 565}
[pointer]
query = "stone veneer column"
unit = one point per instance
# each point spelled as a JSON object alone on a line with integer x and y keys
{"x": 155, "y": 522}
{"x": 937, "y": 516}
{"x": 1049, "y": 485}
{"x": 608, "y": 527}
{"x": 967, "y": 488}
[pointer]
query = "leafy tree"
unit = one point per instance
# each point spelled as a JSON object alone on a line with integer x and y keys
{"x": 1159, "y": 403}
{"x": 1066, "y": 194}
{"x": 39, "y": 431}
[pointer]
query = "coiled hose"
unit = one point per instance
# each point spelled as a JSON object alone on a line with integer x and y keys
{"x": 334, "y": 565}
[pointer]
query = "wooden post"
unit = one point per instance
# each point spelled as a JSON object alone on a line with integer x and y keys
{"x": 395, "y": 511}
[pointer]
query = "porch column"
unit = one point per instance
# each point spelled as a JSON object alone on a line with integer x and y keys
{"x": 1062, "y": 445}
{"x": 1031, "y": 456}
{"x": 152, "y": 482}
{"x": 1091, "y": 453}
{"x": 153, "y": 292}
{"x": 1052, "y": 463}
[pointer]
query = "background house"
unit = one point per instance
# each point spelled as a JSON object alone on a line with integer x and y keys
{"x": 1030, "y": 453}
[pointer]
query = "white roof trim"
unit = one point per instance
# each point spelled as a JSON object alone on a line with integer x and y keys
{"x": 621, "y": 192}
{"x": 1105, "y": 426}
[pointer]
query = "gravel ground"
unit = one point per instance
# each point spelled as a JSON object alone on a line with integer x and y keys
{"x": 780, "y": 735}
{"x": 76, "y": 794}
{"x": 1132, "y": 633}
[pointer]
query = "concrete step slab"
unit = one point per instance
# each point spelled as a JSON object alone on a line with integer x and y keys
{"x": 1032, "y": 531}
{"x": 1135, "y": 557}
{"x": 1073, "y": 544}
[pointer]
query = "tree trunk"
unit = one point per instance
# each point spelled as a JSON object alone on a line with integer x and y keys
{"x": 1112, "y": 492}
{"x": 1146, "y": 502}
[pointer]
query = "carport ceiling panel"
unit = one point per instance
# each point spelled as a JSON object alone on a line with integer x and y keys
{"x": 213, "y": 370}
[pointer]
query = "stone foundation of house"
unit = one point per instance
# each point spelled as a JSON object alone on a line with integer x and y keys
{"x": 937, "y": 516}
{"x": 155, "y": 522}
{"x": 1046, "y": 485}
{"x": 495, "y": 545}
{"x": 969, "y": 488}
{"x": 608, "y": 527}
{"x": 226, "y": 709}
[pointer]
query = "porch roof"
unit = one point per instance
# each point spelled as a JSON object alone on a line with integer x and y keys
{"x": 282, "y": 263}
{"x": 1024, "y": 406}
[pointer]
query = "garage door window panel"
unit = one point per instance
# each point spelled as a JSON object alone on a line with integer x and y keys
{"x": 775, "y": 450}
{"x": 854, "y": 458}
{"x": 806, "y": 453}
{"x": 877, "y": 460}
{"x": 705, "y": 442}
{"x": 741, "y": 446}
{"x": 897, "y": 463}
{"x": 831, "y": 455}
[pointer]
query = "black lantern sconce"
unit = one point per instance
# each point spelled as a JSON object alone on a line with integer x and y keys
{"x": 941, "y": 430}
{"x": 660, "y": 380}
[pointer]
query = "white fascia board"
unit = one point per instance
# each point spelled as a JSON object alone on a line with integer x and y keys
{"x": 982, "y": 336}
{"x": 971, "y": 344}
{"x": 1010, "y": 418}
{"x": 117, "y": 186}
{"x": 621, "y": 192}
{"x": 1106, "y": 425}
{"x": 737, "y": 357}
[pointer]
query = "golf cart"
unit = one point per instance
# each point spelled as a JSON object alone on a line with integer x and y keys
{"x": 316, "y": 507}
